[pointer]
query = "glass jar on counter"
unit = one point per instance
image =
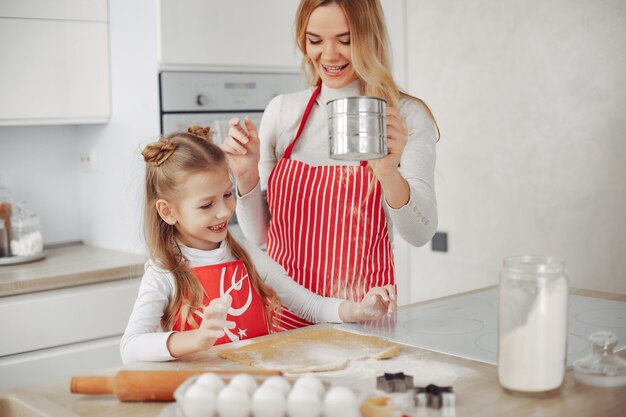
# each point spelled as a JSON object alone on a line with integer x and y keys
{"x": 26, "y": 237}
{"x": 532, "y": 325}
{"x": 4, "y": 241}
{"x": 6, "y": 211}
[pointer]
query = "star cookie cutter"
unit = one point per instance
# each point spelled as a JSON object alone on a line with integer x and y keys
{"x": 398, "y": 382}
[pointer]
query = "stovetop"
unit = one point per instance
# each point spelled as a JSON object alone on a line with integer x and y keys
{"x": 467, "y": 325}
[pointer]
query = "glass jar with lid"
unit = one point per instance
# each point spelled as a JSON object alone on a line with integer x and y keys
{"x": 26, "y": 237}
{"x": 6, "y": 211}
{"x": 4, "y": 241}
{"x": 532, "y": 325}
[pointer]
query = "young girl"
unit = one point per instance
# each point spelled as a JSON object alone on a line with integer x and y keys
{"x": 201, "y": 287}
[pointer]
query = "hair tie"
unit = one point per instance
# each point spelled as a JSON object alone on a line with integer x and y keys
{"x": 201, "y": 132}
{"x": 158, "y": 152}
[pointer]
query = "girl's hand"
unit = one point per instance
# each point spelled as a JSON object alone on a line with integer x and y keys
{"x": 242, "y": 147}
{"x": 211, "y": 328}
{"x": 397, "y": 138}
{"x": 377, "y": 302}
{"x": 213, "y": 322}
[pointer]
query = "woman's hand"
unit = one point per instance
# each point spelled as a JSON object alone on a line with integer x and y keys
{"x": 397, "y": 138}
{"x": 377, "y": 302}
{"x": 396, "y": 189}
{"x": 242, "y": 147}
{"x": 213, "y": 322}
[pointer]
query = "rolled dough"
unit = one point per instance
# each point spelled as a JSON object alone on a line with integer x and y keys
{"x": 311, "y": 351}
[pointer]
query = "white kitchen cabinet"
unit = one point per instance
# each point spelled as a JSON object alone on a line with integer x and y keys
{"x": 58, "y": 333}
{"x": 55, "y": 62}
{"x": 217, "y": 34}
{"x": 250, "y": 34}
{"x": 55, "y": 9}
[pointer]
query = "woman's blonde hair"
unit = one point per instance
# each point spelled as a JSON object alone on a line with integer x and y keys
{"x": 369, "y": 44}
{"x": 168, "y": 162}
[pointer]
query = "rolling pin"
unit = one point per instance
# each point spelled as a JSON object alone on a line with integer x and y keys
{"x": 146, "y": 385}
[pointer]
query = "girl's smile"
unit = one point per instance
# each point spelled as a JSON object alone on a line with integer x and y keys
{"x": 218, "y": 228}
{"x": 203, "y": 209}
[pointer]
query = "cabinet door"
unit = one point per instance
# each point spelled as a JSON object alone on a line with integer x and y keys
{"x": 47, "y": 319}
{"x": 95, "y": 10}
{"x": 217, "y": 33}
{"x": 60, "y": 362}
{"x": 53, "y": 72}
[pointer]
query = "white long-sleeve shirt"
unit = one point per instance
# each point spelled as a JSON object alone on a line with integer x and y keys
{"x": 145, "y": 340}
{"x": 416, "y": 221}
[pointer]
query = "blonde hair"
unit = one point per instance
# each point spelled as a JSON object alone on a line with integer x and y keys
{"x": 370, "y": 48}
{"x": 168, "y": 162}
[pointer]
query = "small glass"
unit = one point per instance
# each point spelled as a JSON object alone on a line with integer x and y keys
{"x": 6, "y": 211}
{"x": 26, "y": 237}
{"x": 4, "y": 240}
{"x": 603, "y": 368}
{"x": 532, "y": 325}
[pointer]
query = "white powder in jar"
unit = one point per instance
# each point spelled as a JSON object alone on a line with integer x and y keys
{"x": 27, "y": 245}
{"x": 531, "y": 357}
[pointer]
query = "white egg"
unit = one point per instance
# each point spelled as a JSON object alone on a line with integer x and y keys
{"x": 278, "y": 382}
{"x": 340, "y": 402}
{"x": 233, "y": 402}
{"x": 312, "y": 383}
{"x": 245, "y": 382}
{"x": 211, "y": 380}
{"x": 303, "y": 402}
{"x": 268, "y": 401}
{"x": 198, "y": 401}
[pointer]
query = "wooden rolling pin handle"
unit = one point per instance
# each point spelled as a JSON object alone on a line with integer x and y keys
{"x": 92, "y": 385}
{"x": 146, "y": 385}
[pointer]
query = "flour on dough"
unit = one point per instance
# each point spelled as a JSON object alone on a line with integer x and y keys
{"x": 311, "y": 351}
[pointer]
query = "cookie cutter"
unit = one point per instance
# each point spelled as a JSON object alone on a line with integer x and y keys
{"x": 434, "y": 396}
{"x": 398, "y": 382}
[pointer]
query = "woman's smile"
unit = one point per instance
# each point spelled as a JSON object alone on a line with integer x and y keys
{"x": 334, "y": 70}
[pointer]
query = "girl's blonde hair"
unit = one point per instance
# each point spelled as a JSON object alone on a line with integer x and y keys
{"x": 369, "y": 44}
{"x": 168, "y": 162}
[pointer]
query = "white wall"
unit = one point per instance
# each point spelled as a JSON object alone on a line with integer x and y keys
{"x": 530, "y": 98}
{"x": 111, "y": 196}
{"x": 41, "y": 165}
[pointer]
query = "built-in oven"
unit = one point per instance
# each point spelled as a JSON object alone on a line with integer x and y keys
{"x": 213, "y": 98}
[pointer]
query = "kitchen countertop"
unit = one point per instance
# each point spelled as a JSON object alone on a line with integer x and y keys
{"x": 69, "y": 266}
{"x": 477, "y": 391}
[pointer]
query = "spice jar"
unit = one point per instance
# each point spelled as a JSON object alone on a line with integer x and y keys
{"x": 26, "y": 238}
{"x": 532, "y": 325}
{"x": 4, "y": 241}
{"x": 6, "y": 211}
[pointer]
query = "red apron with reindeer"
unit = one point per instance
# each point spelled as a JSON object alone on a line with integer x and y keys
{"x": 247, "y": 309}
{"x": 328, "y": 228}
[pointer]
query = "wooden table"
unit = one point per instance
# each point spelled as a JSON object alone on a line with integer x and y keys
{"x": 476, "y": 395}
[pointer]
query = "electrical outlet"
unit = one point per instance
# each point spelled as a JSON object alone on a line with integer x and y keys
{"x": 88, "y": 161}
{"x": 439, "y": 243}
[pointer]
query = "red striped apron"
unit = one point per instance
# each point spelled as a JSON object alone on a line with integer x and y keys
{"x": 247, "y": 308}
{"x": 328, "y": 228}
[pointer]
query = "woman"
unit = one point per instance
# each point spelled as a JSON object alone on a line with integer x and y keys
{"x": 328, "y": 222}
